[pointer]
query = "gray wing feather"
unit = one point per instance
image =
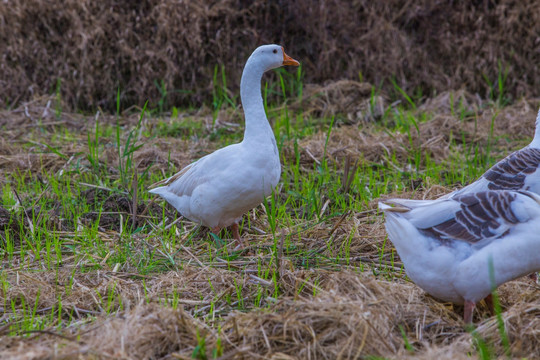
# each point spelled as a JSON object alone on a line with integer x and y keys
{"x": 510, "y": 172}
{"x": 482, "y": 215}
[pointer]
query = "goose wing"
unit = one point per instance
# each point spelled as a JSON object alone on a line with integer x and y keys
{"x": 477, "y": 218}
{"x": 511, "y": 172}
{"x": 183, "y": 182}
{"x": 211, "y": 166}
{"x": 485, "y": 216}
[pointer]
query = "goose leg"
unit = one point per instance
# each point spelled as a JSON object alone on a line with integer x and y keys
{"x": 468, "y": 313}
{"x": 216, "y": 230}
{"x": 236, "y": 234}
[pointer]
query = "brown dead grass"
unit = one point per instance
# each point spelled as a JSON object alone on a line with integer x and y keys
{"x": 515, "y": 122}
{"x": 144, "y": 332}
{"x": 94, "y": 48}
{"x": 18, "y": 124}
{"x": 343, "y": 97}
{"x": 329, "y": 311}
{"x": 351, "y": 315}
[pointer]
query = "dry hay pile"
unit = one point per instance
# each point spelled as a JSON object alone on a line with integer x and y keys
{"x": 351, "y": 315}
{"x": 89, "y": 49}
{"x": 348, "y": 98}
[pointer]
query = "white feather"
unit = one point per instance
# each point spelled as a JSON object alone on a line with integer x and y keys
{"x": 456, "y": 270}
{"x": 218, "y": 188}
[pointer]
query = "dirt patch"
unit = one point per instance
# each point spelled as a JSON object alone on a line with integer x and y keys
{"x": 116, "y": 211}
{"x": 10, "y": 228}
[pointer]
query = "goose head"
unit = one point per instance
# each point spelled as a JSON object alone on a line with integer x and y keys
{"x": 268, "y": 57}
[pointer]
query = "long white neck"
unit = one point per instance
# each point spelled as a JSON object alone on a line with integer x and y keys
{"x": 257, "y": 126}
{"x": 536, "y": 140}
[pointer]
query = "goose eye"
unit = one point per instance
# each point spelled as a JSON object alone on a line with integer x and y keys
{"x": 275, "y": 51}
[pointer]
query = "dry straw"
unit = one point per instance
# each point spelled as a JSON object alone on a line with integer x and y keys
{"x": 89, "y": 49}
{"x": 350, "y": 316}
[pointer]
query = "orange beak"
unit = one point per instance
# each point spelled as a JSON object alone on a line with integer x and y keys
{"x": 287, "y": 60}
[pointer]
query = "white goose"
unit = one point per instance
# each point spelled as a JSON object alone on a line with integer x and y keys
{"x": 447, "y": 245}
{"x": 219, "y": 188}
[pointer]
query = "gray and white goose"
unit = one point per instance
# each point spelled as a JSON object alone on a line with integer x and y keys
{"x": 456, "y": 249}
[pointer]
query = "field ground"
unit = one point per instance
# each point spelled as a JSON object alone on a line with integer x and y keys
{"x": 95, "y": 267}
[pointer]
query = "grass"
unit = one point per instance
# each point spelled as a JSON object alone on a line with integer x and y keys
{"x": 85, "y": 241}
